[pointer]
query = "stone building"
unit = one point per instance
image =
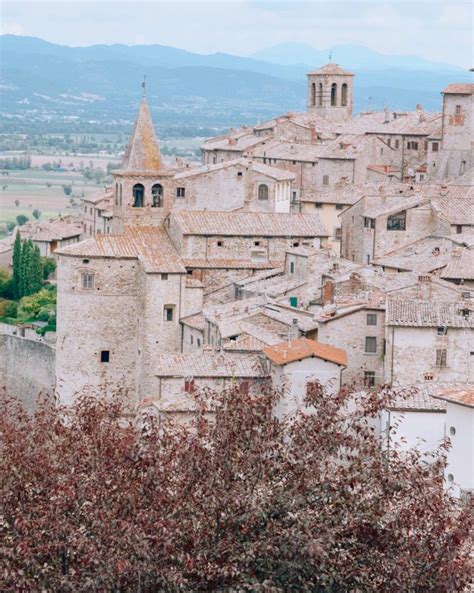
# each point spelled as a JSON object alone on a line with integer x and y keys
{"x": 330, "y": 92}
{"x": 429, "y": 341}
{"x": 97, "y": 213}
{"x": 239, "y": 183}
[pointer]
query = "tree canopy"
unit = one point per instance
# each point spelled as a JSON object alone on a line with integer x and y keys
{"x": 243, "y": 502}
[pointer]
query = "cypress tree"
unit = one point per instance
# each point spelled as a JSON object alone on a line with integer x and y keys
{"x": 25, "y": 264}
{"x": 16, "y": 265}
{"x": 35, "y": 272}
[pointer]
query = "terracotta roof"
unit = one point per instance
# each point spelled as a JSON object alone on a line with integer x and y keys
{"x": 249, "y": 224}
{"x": 416, "y": 123}
{"x": 418, "y": 401}
{"x": 384, "y": 169}
{"x": 208, "y": 364}
{"x": 291, "y": 351}
{"x": 460, "y": 265}
{"x": 240, "y": 163}
{"x": 229, "y": 264}
{"x": 459, "y": 88}
{"x": 143, "y": 152}
{"x": 51, "y": 230}
{"x": 331, "y": 69}
{"x": 234, "y": 141}
{"x": 196, "y": 321}
{"x": 394, "y": 204}
{"x": 410, "y": 313}
{"x": 463, "y": 396}
{"x": 150, "y": 245}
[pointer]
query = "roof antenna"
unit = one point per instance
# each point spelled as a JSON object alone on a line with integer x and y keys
{"x": 330, "y": 55}
{"x": 144, "y": 85}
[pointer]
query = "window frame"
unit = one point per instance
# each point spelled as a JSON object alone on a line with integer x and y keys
{"x": 90, "y": 280}
{"x": 373, "y": 341}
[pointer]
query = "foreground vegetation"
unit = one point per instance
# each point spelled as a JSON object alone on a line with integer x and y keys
{"x": 246, "y": 503}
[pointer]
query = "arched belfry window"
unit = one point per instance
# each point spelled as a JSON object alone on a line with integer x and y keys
{"x": 157, "y": 196}
{"x": 313, "y": 94}
{"x": 344, "y": 95}
{"x": 263, "y": 192}
{"x": 138, "y": 195}
{"x": 320, "y": 95}
{"x": 333, "y": 94}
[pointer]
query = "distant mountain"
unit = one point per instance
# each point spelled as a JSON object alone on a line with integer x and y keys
{"x": 356, "y": 57}
{"x": 70, "y": 88}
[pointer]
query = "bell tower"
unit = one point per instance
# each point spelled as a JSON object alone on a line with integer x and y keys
{"x": 330, "y": 91}
{"x": 143, "y": 192}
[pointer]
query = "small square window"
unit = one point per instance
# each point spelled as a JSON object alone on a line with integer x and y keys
{"x": 338, "y": 234}
{"x": 371, "y": 318}
{"x": 458, "y": 110}
{"x": 239, "y": 174}
{"x": 199, "y": 342}
{"x": 164, "y": 276}
{"x": 371, "y": 345}
{"x": 105, "y": 356}
{"x": 180, "y": 192}
{"x": 220, "y": 243}
{"x": 369, "y": 378}
{"x": 339, "y": 206}
{"x": 318, "y": 205}
{"x": 397, "y": 143}
{"x": 257, "y": 243}
{"x": 168, "y": 313}
{"x": 325, "y": 179}
{"x": 435, "y": 147}
{"x": 441, "y": 330}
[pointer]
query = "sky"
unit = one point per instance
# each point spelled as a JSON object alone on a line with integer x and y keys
{"x": 439, "y": 30}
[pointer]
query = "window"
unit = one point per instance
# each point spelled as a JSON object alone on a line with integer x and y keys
{"x": 458, "y": 229}
{"x": 457, "y": 110}
{"x": 192, "y": 339}
{"x": 318, "y": 205}
{"x": 116, "y": 194}
{"x": 441, "y": 358}
{"x": 465, "y": 313}
{"x": 435, "y": 147}
{"x": 441, "y": 330}
{"x": 189, "y": 385}
{"x": 339, "y": 206}
{"x": 164, "y": 276}
{"x": 369, "y": 223}
{"x": 389, "y": 142}
{"x": 292, "y": 267}
{"x": 138, "y": 195}
{"x": 263, "y": 192}
{"x": 257, "y": 243}
{"x": 370, "y": 345}
{"x": 466, "y": 295}
{"x": 397, "y": 144}
{"x": 199, "y": 342}
{"x": 320, "y": 95}
{"x": 220, "y": 243}
{"x": 180, "y": 192}
{"x": 120, "y": 195}
{"x": 325, "y": 179}
{"x": 426, "y": 144}
{"x": 157, "y": 196}
{"x": 87, "y": 281}
{"x": 371, "y": 318}
{"x": 239, "y": 174}
{"x": 313, "y": 94}
{"x": 412, "y": 145}
{"x": 452, "y": 430}
{"x": 369, "y": 378}
{"x": 344, "y": 95}
{"x": 168, "y": 312}
{"x": 368, "y": 258}
{"x": 333, "y": 94}
{"x": 397, "y": 222}
{"x": 104, "y": 356}
{"x": 337, "y": 234}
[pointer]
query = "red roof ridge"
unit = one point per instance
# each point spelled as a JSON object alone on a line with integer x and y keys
{"x": 301, "y": 348}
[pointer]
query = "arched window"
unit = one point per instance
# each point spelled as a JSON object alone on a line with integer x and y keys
{"x": 157, "y": 196}
{"x": 333, "y": 94}
{"x": 116, "y": 194}
{"x": 120, "y": 195}
{"x": 344, "y": 95}
{"x": 313, "y": 94}
{"x": 263, "y": 192}
{"x": 138, "y": 195}
{"x": 320, "y": 95}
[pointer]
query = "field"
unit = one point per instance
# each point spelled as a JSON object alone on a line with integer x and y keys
{"x": 21, "y": 192}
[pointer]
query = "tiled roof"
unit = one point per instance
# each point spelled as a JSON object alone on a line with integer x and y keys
{"x": 410, "y": 123}
{"x": 459, "y": 88}
{"x": 463, "y": 396}
{"x": 51, "y": 230}
{"x": 344, "y": 193}
{"x": 143, "y": 152}
{"x": 384, "y": 169}
{"x": 457, "y": 205}
{"x": 235, "y": 142}
{"x": 418, "y": 400}
{"x": 208, "y": 364}
{"x": 249, "y": 224}
{"x": 196, "y": 321}
{"x": 460, "y": 265}
{"x": 150, "y": 245}
{"x": 393, "y": 204}
{"x": 332, "y": 68}
{"x": 272, "y": 172}
{"x": 99, "y": 196}
{"x": 229, "y": 264}
{"x": 291, "y": 351}
{"x": 411, "y": 313}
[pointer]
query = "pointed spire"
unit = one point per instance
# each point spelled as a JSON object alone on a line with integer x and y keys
{"x": 143, "y": 152}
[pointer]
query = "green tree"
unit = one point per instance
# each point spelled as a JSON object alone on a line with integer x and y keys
{"x": 35, "y": 272}
{"x": 25, "y": 259}
{"x": 49, "y": 267}
{"x": 67, "y": 189}
{"x": 36, "y": 214}
{"x": 21, "y": 219}
{"x": 16, "y": 265}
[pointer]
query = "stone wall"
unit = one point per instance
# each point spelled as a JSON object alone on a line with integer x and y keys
{"x": 27, "y": 368}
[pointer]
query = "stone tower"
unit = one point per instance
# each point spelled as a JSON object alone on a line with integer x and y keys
{"x": 143, "y": 191}
{"x": 330, "y": 92}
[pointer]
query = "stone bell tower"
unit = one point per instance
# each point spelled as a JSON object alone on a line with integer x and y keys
{"x": 330, "y": 91}
{"x": 143, "y": 192}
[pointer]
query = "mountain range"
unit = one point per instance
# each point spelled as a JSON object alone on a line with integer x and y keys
{"x": 102, "y": 83}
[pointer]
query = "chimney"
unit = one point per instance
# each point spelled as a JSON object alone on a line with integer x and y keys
{"x": 386, "y": 118}
{"x": 328, "y": 292}
{"x": 314, "y": 134}
{"x": 293, "y": 330}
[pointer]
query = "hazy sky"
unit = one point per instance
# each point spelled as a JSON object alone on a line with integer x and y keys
{"x": 441, "y": 30}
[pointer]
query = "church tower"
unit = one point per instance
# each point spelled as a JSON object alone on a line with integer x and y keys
{"x": 143, "y": 192}
{"x": 330, "y": 92}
